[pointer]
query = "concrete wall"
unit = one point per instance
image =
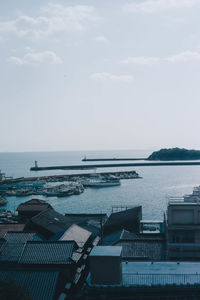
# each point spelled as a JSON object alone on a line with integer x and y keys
{"x": 105, "y": 270}
{"x": 183, "y": 214}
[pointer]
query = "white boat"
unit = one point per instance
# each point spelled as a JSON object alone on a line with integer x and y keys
{"x": 100, "y": 182}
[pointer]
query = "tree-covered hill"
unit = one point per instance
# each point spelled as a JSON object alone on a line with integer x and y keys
{"x": 175, "y": 154}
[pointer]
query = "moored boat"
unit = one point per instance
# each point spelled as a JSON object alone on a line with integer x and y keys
{"x": 101, "y": 182}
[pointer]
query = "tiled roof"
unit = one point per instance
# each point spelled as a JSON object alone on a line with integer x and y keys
{"x": 77, "y": 234}
{"x": 39, "y": 284}
{"x": 48, "y": 252}
{"x": 14, "y": 245}
{"x": 11, "y": 252}
{"x": 19, "y": 237}
{"x": 139, "y": 249}
{"x": 2, "y": 242}
{"x": 10, "y": 227}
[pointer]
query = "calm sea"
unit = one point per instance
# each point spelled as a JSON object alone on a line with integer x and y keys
{"x": 152, "y": 191}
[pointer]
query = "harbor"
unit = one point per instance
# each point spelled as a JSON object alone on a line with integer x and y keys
{"x": 73, "y": 184}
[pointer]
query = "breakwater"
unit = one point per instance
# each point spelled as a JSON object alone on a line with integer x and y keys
{"x": 111, "y": 159}
{"x": 94, "y": 166}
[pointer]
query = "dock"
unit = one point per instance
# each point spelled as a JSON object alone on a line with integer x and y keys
{"x": 117, "y": 165}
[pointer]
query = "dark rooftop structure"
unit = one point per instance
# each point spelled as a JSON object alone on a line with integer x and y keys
{"x": 38, "y": 284}
{"x": 127, "y": 219}
{"x": 48, "y": 223}
{"x": 31, "y": 208}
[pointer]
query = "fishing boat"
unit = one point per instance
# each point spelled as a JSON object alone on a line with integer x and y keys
{"x": 101, "y": 182}
{"x": 2, "y": 201}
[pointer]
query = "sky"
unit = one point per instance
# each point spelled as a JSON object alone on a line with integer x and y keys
{"x": 99, "y": 75}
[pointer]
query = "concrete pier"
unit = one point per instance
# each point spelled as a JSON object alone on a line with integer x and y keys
{"x": 94, "y": 166}
{"x": 111, "y": 159}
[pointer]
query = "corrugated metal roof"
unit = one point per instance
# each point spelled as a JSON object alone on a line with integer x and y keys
{"x": 48, "y": 252}
{"x": 77, "y": 234}
{"x": 39, "y": 284}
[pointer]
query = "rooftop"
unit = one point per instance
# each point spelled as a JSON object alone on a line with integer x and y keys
{"x": 39, "y": 284}
{"x": 19, "y": 237}
{"x": 158, "y": 274}
{"x": 10, "y": 227}
{"x": 143, "y": 250}
{"x": 106, "y": 251}
{"x": 48, "y": 252}
{"x": 127, "y": 219}
{"x": 51, "y": 221}
{"x": 77, "y": 234}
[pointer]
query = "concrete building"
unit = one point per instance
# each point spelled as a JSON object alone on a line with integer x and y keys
{"x": 112, "y": 278}
{"x": 183, "y": 229}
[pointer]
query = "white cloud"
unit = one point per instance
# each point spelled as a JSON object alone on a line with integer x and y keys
{"x": 115, "y": 78}
{"x": 36, "y": 58}
{"x": 101, "y": 39}
{"x": 141, "y": 60}
{"x": 153, "y": 6}
{"x": 54, "y": 19}
{"x": 182, "y": 57}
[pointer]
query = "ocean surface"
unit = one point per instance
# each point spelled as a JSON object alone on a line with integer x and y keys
{"x": 152, "y": 191}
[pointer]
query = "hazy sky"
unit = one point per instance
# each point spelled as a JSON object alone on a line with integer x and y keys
{"x": 109, "y": 74}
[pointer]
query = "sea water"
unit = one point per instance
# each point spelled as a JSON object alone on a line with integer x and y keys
{"x": 152, "y": 191}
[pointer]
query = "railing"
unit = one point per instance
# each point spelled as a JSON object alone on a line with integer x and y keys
{"x": 160, "y": 279}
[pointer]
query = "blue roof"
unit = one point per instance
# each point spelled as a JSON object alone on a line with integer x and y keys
{"x": 39, "y": 284}
{"x": 106, "y": 251}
